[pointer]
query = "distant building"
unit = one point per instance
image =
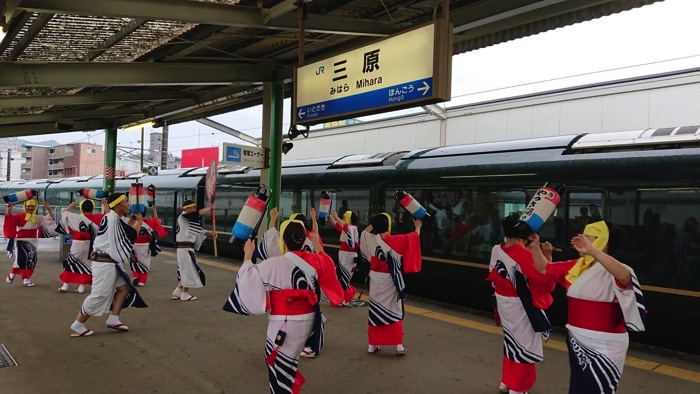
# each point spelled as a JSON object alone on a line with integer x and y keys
{"x": 155, "y": 150}
{"x": 10, "y": 170}
{"x": 61, "y": 161}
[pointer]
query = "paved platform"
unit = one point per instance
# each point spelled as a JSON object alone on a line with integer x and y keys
{"x": 195, "y": 347}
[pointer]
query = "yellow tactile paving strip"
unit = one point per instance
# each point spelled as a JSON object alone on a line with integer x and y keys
{"x": 634, "y": 362}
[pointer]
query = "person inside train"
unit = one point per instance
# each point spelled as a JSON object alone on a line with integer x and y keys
{"x": 389, "y": 256}
{"x": 289, "y": 286}
{"x": 605, "y": 301}
{"x": 520, "y": 309}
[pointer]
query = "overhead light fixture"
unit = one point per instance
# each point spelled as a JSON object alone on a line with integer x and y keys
{"x": 286, "y": 147}
{"x": 138, "y": 126}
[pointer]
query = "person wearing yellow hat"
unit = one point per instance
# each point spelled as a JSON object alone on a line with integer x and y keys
{"x": 389, "y": 257}
{"x": 23, "y": 229}
{"x": 289, "y": 286}
{"x": 605, "y": 302}
{"x": 349, "y": 245}
{"x": 111, "y": 290}
{"x": 269, "y": 242}
{"x": 189, "y": 236}
{"x": 83, "y": 226}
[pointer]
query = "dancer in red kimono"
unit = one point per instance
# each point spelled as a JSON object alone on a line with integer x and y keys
{"x": 83, "y": 226}
{"x": 289, "y": 286}
{"x": 23, "y": 229}
{"x": 522, "y": 295}
{"x": 389, "y": 256}
{"x": 349, "y": 245}
{"x": 146, "y": 247}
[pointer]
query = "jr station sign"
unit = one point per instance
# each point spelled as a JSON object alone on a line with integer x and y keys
{"x": 406, "y": 70}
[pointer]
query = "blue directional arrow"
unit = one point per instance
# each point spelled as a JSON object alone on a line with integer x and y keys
{"x": 396, "y": 94}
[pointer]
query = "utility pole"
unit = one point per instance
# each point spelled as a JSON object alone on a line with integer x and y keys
{"x": 9, "y": 161}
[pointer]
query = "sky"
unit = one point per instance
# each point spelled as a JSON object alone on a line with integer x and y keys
{"x": 648, "y": 40}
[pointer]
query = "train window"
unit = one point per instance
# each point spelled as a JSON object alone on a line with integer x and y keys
{"x": 583, "y": 207}
{"x": 663, "y": 235}
{"x": 292, "y": 201}
{"x": 464, "y": 224}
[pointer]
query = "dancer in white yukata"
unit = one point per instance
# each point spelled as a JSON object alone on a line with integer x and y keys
{"x": 83, "y": 226}
{"x": 189, "y": 236}
{"x": 605, "y": 301}
{"x": 347, "y": 256}
{"x": 22, "y": 230}
{"x": 389, "y": 256}
{"x": 522, "y": 295}
{"x": 270, "y": 246}
{"x": 111, "y": 250}
{"x": 290, "y": 287}
{"x": 146, "y": 247}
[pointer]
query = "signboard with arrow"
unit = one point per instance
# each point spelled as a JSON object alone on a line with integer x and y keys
{"x": 406, "y": 70}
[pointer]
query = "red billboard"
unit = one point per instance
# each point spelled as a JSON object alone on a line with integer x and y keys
{"x": 199, "y": 157}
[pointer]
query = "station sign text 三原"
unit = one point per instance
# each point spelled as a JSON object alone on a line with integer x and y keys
{"x": 402, "y": 71}
{"x": 243, "y": 155}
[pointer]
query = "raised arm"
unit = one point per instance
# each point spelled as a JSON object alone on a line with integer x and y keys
{"x": 47, "y": 205}
{"x": 541, "y": 254}
{"x": 333, "y": 217}
{"x": 206, "y": 209}
{"x": 155, "y": 211}
{"x": 70, "y": 206}
{"x": 314, "y": 223}
{"x": 105, "y": 205}
{"x": 418, "y": 223}
{"x": 274, "y": 214}
{"x": 614, "y": 267}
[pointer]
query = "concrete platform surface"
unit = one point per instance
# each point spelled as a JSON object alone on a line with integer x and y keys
{"x": 195, "y": 347}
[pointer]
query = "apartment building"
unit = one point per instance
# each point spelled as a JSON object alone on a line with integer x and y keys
{"x": 61, "y": 161}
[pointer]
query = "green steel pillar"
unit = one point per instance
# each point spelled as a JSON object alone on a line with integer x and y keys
{"x": 273, "y": 109}
{"x": 110, "y": 159}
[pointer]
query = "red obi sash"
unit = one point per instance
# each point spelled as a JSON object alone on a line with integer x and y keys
{"x": 81, "y": 236}
{"x": 31, "y": 233}
{"x": 292, "y": 302}
{"x": 596, "y": 316}
{"x": 377, "y": 265}
{"x": 345, "y": 248}
{"x": 143, "y": 239}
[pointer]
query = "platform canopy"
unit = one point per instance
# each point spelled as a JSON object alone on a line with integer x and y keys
{"x": 73, "y": 65}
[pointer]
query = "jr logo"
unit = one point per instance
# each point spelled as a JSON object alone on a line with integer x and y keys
{"x": 320, "y": 70}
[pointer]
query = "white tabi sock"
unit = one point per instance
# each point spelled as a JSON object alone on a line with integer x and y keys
{"x": 112, "y": 320}
{"x": 78, "y": 327}
{"x": 184, "y": 295}
{"x": 64, "y": 287}
{"x": 81, "y": 288}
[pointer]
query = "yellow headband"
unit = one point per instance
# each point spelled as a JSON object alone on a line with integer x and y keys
{"x": 389, "y": 219}
{"x": 30, "y": 216}
{"x": 597, "y": 229}
{"x": 283, "y": 227}
{"x": 192, "y": 205}
{"x": 347, "y": 217}
{"x": 117, "y": 201}
{"x": 293, "y": 216}
{"x": 80, "y": 205}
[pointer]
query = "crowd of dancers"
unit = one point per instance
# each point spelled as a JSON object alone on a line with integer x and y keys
{"x": 604, "y": 297}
